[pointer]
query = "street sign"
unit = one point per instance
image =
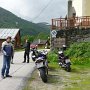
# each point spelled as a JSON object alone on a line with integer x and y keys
{"x": 53, "y": 33}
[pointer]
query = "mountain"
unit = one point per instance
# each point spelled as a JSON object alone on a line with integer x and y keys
{"x": 9, "y": 20}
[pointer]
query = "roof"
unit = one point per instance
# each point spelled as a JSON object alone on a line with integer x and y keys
{"x": 39, "y": 42}
{"x": 4, "y": 33}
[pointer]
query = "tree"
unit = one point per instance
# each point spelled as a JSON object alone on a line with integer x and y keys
{"x": 42, "y": 36}
{"x": 28, "y": 37}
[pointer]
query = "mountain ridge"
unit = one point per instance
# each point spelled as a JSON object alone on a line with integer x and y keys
{"x": 9, "y": 20}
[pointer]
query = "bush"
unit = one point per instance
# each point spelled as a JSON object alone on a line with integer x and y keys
{"x": 52, "y": 57}
{"x": 79, "y": 50}
{"x": 79, "y": 53}
{"x": 80, "y": 61}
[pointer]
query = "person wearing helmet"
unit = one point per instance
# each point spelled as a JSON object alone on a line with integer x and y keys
{"x": 64, "y": 47}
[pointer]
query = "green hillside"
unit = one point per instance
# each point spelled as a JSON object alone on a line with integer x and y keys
{"x": 9, "y": 20}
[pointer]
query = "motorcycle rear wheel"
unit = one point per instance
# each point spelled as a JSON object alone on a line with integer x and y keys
{"x": 68, "y": 68}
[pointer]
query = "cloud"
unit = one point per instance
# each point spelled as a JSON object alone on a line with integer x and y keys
{"x": 29, "y": 9}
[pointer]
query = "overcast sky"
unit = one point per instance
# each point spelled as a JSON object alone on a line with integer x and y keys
{"x": 31, "y": 9}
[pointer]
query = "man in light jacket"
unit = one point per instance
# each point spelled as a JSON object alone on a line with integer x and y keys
{"x": 7, "y": 50}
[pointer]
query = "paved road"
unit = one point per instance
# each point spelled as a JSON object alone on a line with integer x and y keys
{"x": 20, "y": 72}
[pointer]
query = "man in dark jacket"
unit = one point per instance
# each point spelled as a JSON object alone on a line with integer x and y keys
{"x": 27, "y": 51}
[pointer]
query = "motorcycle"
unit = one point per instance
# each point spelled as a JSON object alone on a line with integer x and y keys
{"x": 64, "y": 61}
{"x": 34, "y": 54}
{"x": 42, "y": 66}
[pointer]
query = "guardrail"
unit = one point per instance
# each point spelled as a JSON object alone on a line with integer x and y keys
{"x": 68, "y": 23}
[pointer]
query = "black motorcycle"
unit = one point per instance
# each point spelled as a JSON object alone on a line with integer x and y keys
{"x": 34, "y": 54}
{"x": 42, "y": 65}
{"x": 64, "y": 61}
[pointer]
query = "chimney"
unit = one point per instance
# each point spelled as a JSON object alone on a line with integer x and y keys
{"x": 39, "y": 41}
{"x": 69, "y": 8}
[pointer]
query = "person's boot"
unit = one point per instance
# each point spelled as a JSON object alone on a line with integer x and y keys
{"x": 12, "y": 63}
{"x": 8, "y": 76}
{"x": 24, "y": 61}
{"x": 27, "y": 61}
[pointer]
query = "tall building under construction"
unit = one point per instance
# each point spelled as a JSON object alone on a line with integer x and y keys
{"x": 78, "y": 8}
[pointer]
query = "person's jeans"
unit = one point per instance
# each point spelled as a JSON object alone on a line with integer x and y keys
{"x": 6, "y": 65}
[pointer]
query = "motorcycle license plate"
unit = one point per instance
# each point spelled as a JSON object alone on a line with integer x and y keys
{"x": 67, "y": 60}
{"x": 38, "y": 65}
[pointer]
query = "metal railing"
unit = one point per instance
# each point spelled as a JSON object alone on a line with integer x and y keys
{"x": 68, "y": 23}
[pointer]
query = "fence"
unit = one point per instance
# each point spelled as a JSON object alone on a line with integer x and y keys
{"x": 69, "y": 23}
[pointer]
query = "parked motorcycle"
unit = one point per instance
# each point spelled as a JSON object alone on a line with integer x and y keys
{"x": 34, "y": 54}
{"x": 64, "y": 61}
{"x": 42, "y": 65}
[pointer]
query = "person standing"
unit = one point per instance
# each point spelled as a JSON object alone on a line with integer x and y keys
{"x": 27, "y": 51}
{"x": 7, "y": 50}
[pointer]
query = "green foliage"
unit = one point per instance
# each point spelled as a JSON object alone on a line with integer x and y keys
{"x": 31, "y": 38}
{"x": 52, "y": 57}
{"x": 42, "y": 36}
{"x": 79, "y": 53}
{"x": 28, "y": 37}
{"x": 9, "y": 20}
{"x": 79, "y": 50}
{"x": 80, "y": 61}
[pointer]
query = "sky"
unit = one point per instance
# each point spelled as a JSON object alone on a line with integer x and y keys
{"x": 36, "y": 10}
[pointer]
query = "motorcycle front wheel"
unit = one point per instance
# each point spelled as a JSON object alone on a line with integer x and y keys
{"x": 43, "y": 75}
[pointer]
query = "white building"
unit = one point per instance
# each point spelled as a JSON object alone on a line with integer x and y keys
{"x": 78, "y": 7}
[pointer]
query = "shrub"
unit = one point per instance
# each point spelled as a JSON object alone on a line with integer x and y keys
{"x": 79, "y": 53}
{"x": 52, "y": 57}
{"x": 79, "y": 49}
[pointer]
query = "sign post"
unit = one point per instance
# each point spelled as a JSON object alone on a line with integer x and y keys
{"x": 53, "y": 36}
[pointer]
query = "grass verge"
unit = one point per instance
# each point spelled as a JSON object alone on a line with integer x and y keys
{"x": 59, "y": 79}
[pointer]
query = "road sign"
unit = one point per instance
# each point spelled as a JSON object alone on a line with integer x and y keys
{"x": 53, "y": 33}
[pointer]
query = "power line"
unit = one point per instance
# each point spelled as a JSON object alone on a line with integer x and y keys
{"x": 42, "y": 10}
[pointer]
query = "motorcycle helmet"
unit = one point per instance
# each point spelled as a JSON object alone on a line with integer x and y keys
{"x": 60, "y": 52}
